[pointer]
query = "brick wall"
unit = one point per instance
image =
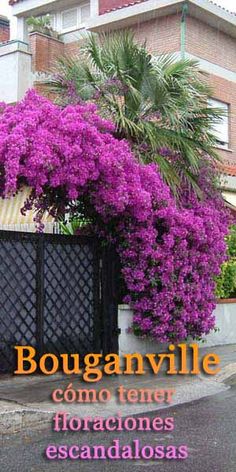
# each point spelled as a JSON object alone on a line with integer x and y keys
{"x": 4, "y": 29}
{"x": 226, "y": 91}
{"x": 210, "y": 44}
{"x": 72, "y": 49}
{"x": 218, "y": 48}
{"x": 162, "y": 35}
{"x": 45, "y": 52}
{"x": 107, "y": 5}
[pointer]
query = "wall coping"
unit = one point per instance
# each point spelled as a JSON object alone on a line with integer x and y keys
{"x": 34, "y": 33}
{"x": 14, "y": 46}
{"x": 220, "y": 301}
{"x": 124, "y": 306}
{"x": 225, "y": 301}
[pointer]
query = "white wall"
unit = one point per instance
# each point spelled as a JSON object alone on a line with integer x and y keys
{"x": 128, "y": 342}
{"x": 225, "y": 321}
{"x": 226, "y": 324}
{"x": 22, "y": 10}
{"x": 15, "y": 71}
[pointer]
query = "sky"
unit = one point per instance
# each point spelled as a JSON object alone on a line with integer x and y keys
{"x": 229, "y": 4}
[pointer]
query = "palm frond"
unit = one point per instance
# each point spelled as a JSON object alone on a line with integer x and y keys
{"x": 161, "y": 101}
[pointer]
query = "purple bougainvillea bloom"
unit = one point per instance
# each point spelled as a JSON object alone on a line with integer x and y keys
{"x": 170, "y": 254}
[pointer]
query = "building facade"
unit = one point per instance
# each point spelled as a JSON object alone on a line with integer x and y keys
{"x": 196, "y": 29}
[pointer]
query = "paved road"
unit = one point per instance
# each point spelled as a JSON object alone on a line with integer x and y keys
{"x": 207, "y": 426}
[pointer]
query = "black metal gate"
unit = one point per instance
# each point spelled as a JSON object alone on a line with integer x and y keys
{"x": 57, "y": 294}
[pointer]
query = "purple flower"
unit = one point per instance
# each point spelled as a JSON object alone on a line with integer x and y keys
{"x": 170, "y": 254}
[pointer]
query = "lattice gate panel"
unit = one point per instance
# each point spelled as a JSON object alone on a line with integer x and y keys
{"x": 70, "y": 284}
{"x": 17, "y": 297}
{"x": 49, "y": 295}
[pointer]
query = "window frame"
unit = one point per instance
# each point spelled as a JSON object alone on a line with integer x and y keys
{"x": 79, "y": 23}
{"x": 85, "y": 4}
{"x": 216, "y": 103}
{"x": 64, "y": 30}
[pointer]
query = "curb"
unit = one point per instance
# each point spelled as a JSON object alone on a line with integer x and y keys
{"x": 226, "y": 373}
{"x": 15, "y": 421}
{"x": 23, "y": 418}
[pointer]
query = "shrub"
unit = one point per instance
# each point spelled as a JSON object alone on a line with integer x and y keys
{"x": 170, "y": 254}
{"x": 226, "y": 282}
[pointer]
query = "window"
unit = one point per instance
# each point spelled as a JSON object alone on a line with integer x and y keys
{"x": 221, "y": 129}
{"x": 75, "y": 17}
{"x": 69, "y": 19}
{"x": 84, "y": 12}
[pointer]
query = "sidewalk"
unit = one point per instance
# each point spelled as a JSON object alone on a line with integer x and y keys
{"x": 25, "y": 402}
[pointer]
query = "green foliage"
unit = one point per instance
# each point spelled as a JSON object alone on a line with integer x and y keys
{"x": 226, "y": 282}
{"x": 155, "y": 102}
{"x": 73, "y": 226}
{"x": 40, "y": 22}
{"x": 231, "y": 241}
{"x": 69, "y": 229}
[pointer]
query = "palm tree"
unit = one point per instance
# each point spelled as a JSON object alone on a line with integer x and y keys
{"x": 158, "y": 103}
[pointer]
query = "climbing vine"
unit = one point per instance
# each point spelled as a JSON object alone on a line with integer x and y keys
{"x": 170, "y": 253}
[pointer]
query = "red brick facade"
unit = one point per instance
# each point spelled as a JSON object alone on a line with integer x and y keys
{"x": 45, "y": 52}
{"x": 210, "y": 44}
{"x": 73, "y": 49}
{"x": 218, "y": 49}
{"x": 163, "y": 35}
{"x": 226, "y": 91}
{"x": 4, "y": 29}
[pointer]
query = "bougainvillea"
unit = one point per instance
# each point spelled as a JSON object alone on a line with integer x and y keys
{"x": 169, "y": 253}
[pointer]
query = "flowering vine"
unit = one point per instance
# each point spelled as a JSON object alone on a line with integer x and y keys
{"x": 170, "y": 254}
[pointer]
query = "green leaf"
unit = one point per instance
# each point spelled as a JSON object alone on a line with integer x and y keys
{"x": 159, "y": 101}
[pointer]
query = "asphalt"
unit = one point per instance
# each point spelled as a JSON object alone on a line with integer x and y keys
{"x": 207, "y": 426}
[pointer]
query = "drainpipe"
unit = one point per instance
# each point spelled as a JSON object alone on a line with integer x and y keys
{"x": 183, "y": 29}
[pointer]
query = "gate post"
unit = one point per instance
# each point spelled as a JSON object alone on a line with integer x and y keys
{"x": 40, "y": 295}
{"x": 109, "y": 302}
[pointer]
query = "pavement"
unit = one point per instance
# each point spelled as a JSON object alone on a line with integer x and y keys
{"x": 207, "y": 426}
{"x": 26, "y": 403}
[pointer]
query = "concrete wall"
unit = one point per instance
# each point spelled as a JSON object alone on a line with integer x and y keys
{"x": 128, "y": 343}
{"x": 15, "y": 71}
{"x": 225, "y": 321}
